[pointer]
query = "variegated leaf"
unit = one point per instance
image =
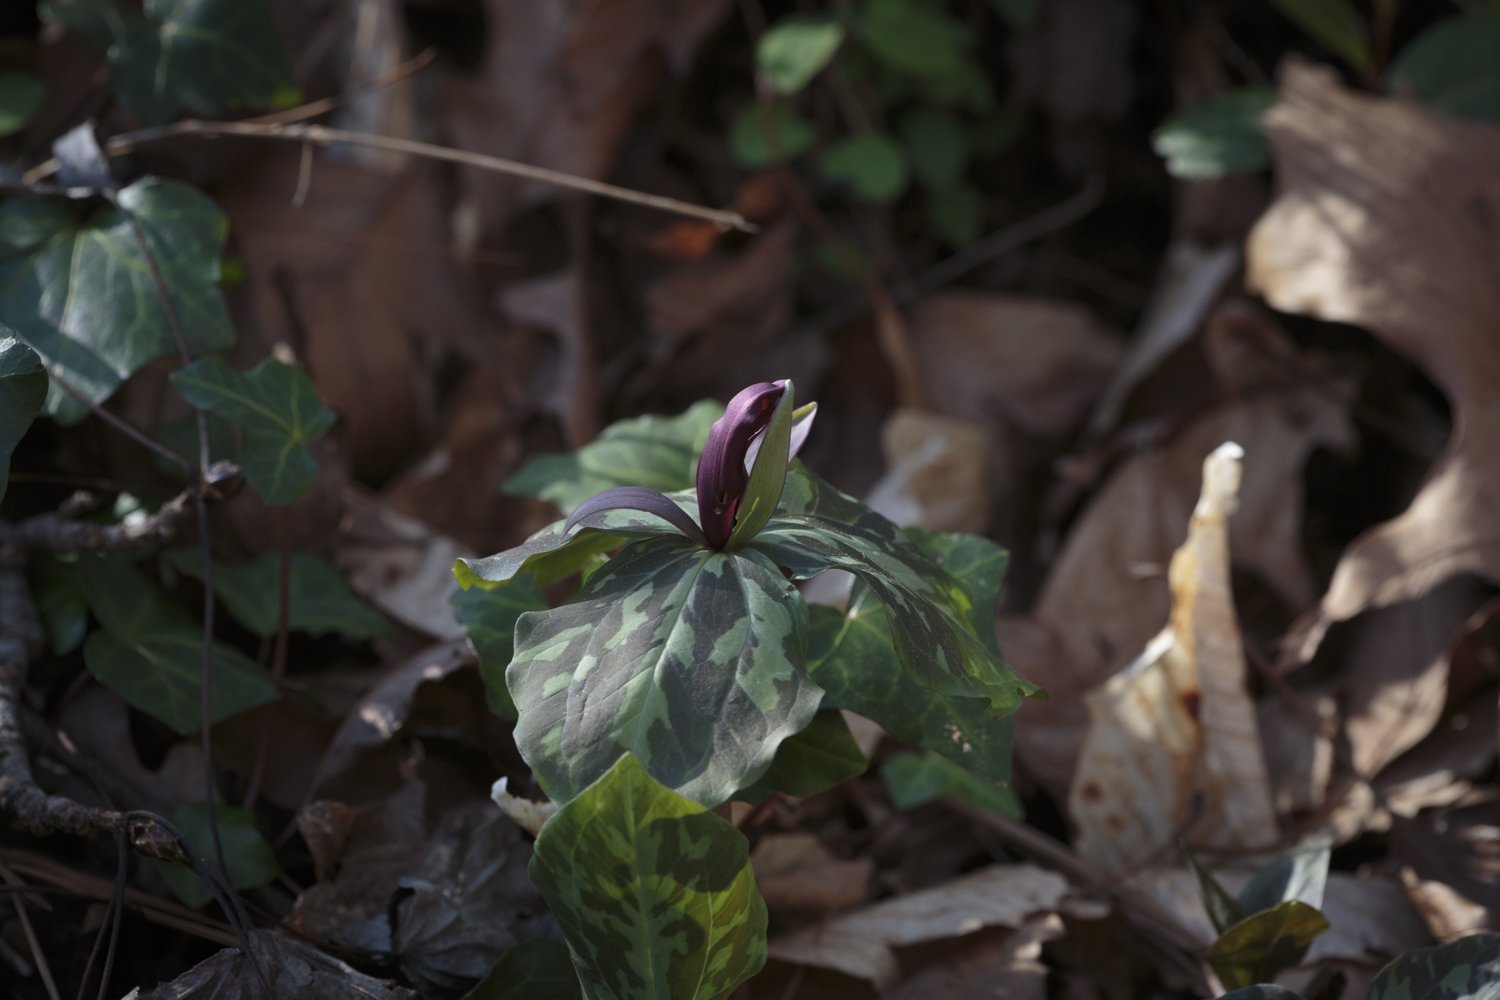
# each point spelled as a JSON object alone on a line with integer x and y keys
{"x": 817, "y": 758}
{"x": 819, "y": 528}
{"x": 654, "y": 893}
{"x": 1466, "y": 969}
{"x": 689, "y": 659}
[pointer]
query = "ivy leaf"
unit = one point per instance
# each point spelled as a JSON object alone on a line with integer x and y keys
{"x": 932, "y": 616}
{"x": 20, "y": 99}
{"x": 811, "y": 761}
{"x": 1218, "y": 137}
{"x": 913, "y": 779}
{"x": 764, "y": 140}
{"x": 957, "y": 213}
{"x": 319, "y": 601}
{"x": 149, "y": 651}
{"x": 912, "y": 37}
{"x": 247, "y": 856}
{"x": 654, "y": 893}
{"x": 276, "y": 407}
{"x": 197, "y": 57}
{"x": 78, "y": 288}
{"x": 1466, "y": 969}
{"x": 535, "y": 968}
{"x": 689, "y": 659}
{"x": 488, "y": 614}
{"x": 1263, "y": 944}
{"x": 795, "y": 50}
{"x": 656, "y": 452}
{"x": 871, "y": 165}
{"x": 1452, "y": 66}
{"x": 936, "y": 145}
{"x": 23, "y": 389}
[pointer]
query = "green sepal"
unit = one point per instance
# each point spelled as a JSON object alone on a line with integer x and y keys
{"x": 767, "y": 475}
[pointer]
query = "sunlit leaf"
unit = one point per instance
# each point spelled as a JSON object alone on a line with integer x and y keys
{"x": 277, "y": 409}
{"x": 764, "y": 139}
{"x": 249, "y": 859}
{"x": 23, "y": 390}
{"x": 815, "y": 759}
{"x": 687, "y": 658}
{"x": 1466, "y": 969}
{"x": 1337, "y": 25}
{"x": 795, "y": 50}
{"x": 530, "y": 971}
{"x": 20, "y": 99}
{"x": 488, "y": 615}
{"x": 149, "y": 651}
{"x": 913, "y": 779}
{"x": 1453, "y": 66}
{"x": 656, "y": 452}
{"x": 76, "y": 285}
{"x": 1257, "y": 948}
{"x": 1300, "y": 874}
{"x": 871, "y": 165}
{"x": 654, "y": 893}
{"x": 1218, "y": 137}
{"x": 319, "y": 600}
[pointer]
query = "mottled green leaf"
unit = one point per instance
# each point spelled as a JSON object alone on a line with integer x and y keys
{"x": 654, "y": 893}
{"x": 656, "y": 452}
{"x": 319, "y": 599}
{"x": 1453, "y": 65}
{"x": 913, "y": 779}
{"x": 764, "y": 138}
{"x": 795, "y": 50}
{"x": 811, "y": 761}
{"x": 488, "y": 614}
{"x": 1337, "y": 25}
{"x": 1259, "y": 947}
{"x": 933, "y": 617}
{"x": 871, "y": 165}
{"x": 279, "y": 413}
{"x": 1300, "y": 874}
{"x": 20, "y": 99}
{"x": 1261, "y": 991}
{"x": 249, "y": 859}
{"x": 23, "y": 390}
{"x": 1466, "y": 969}
{"x": 689, "y": 659}
{"x": 1218, "y": 137}
{"x": 76, "y": 286}
{"x": 150, "y": 652}
{"x": 937, "y": 146}
{"x": 538, "y": 969}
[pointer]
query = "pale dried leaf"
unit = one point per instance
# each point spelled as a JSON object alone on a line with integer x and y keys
{"x": 528, "y": 814}
{"x": 936, "y": 474}
{"x": 1173, "y": 746}
{"x": 795, "y": 871}
{"x": 400, "y": 565}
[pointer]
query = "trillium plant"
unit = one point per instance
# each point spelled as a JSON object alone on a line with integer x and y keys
{"x": 687, "y": 670}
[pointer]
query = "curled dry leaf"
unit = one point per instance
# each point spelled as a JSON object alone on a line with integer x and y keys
{"x": 528, "y": 814}
{"x": 1388, "y": 217}
{"x": 1173, "y": 746}
{"x": 859, "y": 944}
{"x": 794, "y": 871}
{"x": 936, "y": 473}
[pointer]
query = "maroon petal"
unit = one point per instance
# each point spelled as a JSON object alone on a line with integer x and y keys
{"x": 721, "y": 467}
{"x": 637, "y": 498}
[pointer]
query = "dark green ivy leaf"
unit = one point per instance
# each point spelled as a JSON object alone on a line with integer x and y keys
{"x": 654, "y": 893}
{"x": 20, "y": 98}
{"x": 1259, "y": 947}
{"x": 913, "y": 779}
{"x": 936, "y": 145}
{"x": 1453, "y": 65}
{"x": 277, "y": 409}
{"x": 1466, "y": 969}
{"x": 660, "y": 453}
{"x": 795, "y": 50}
{"x": 873, "y": 167}
{"x": 149, "y": 651}
{"x": 811, "y": 761}
{"x": 1218, "y": 137}
{"x": 687, "y": 658}
{"x": 766, "y": 139}
{"x": 488, "y": 614}
{"x": 250, "y": 860}
{"x": 23, "y": 390}
{"x": 538, "y": 969}
{"x": 77, "y": 286}
{"x": 319, "y": 601}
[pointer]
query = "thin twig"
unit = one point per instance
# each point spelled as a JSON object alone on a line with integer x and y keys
{"x": 120, "y": 424}
{"x": 38, "y": 955}
{"x": 322, "y": 135}
{"x": 56, "y": 532}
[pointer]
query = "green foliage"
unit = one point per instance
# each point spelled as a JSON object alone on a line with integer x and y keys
{"x": 1466, "y": 969}
{"x": 197, "y": 57}
{"x": 654, "y": 893}
{"x": 913, "y": 779}
{"x": 488, "y": 614}
{"x": 20, "y": 99}
{"x": 937, "y": 146}
{"x": 795, "y": 50}
{"x": 658, "y": 452}
{"x": 249, "y": 859}
{"x": 318, "y": 601}
{"x": 764, "y": 138}
{"x": 1217, "y": 138}
{"x": 1453, "y": 65}
{"x": 150, "y": 652}
{"x": 76, "y": 285}
{"x": 1337, "y": 25}
{"x": 1261, "y": 991}
{"x": 1262, "y": 945}
{"x": 871, "y": 165}
{"x": 529, "y": 971}
{"x": 23, "y": 389}
{"x": 916, "y": 39}
{"x": 815, "y": 759}
{"x": 767, "y": 475}
{"x": 1300, "y": 874}
{"x": 278, "y": 411}
{"x": 64, "y": 613}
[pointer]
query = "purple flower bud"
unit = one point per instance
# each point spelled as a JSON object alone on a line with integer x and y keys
{"x": 722, "y": 475}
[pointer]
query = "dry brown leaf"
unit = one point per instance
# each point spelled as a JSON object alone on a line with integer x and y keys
{"x": 1173, "y": 746}
{"x": 936, "y": 473}
{"x": 1107, "y": 594}
{"x": 795, "y": 871}
{"x": 1371, "y": 922}
{"x": 859, "y": 944}
{"x": 1447, "y": 914}
{"x": 1386, "y": 218}
{"x": 990, "y": 963}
